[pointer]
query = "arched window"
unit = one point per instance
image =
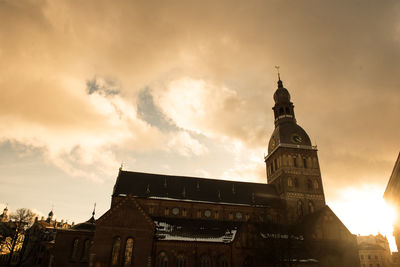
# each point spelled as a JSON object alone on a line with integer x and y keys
{"x": 181, "y": 261}
{"x": 287, "y": 110}
{"x": 222, "y": 261}
{"x": 162, "y": 259}
{"x": 316, "y": 185}
{"x": 290, "y": 182}
{"x": 310, "y": 207}
{"x": 294, "y": 161}
{"x": 309, "y": 184}
{"x": 51, "y": 260}
{"x": 75, "y": 246}
{"x": 305, "y": 162}
{"x": 116, "y": 246}
{"x": 295, "y": 182}
{"x": 281, "y": 111}
{"x": 205, "y": 261}
{"x": 85, "y": 251}
{"x": 299, "y": 208}
{"x": 128, "y": 252}
{"x": 248, "y": 262}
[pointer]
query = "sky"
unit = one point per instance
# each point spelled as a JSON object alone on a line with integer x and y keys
{"x": 185, "y": 88}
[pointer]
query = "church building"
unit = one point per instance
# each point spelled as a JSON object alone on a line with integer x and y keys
{"x": 158, "y": 220}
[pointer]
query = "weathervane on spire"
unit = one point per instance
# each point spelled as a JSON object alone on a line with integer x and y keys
{"x": 279, "y": 75}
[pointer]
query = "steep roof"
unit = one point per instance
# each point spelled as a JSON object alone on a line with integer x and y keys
{"x": 89, "y": 225}
{"x": 195, "y": 189}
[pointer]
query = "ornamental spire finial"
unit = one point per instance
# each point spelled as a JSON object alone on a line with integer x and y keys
{"x": 280, "y": 84}
{"x": 279, "y": 75}
{"x": 94, "y": 209}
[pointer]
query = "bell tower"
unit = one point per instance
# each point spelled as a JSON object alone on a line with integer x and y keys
{"x": 292, "y": 161}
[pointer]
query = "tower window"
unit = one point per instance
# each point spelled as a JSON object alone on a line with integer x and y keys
{"x": 276, "y": 164}
{"x": 316, "y": 184}
{"x": 290, "y": 182}
{"x": 296, "y": 183}
{"x": 294, "y": 162}
{"x": 309, "y": 184}
{"x": 287, "y": 111}
{"x": 281, "y": 111}
{"x": 299, "y": 208}
{"x": 310, "y": 207}
{"x": 304, "y": 162}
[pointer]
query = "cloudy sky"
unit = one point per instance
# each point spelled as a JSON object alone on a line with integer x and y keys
{"x": 185, "y": 88}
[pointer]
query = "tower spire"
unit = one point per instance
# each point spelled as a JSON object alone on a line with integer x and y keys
{"x": 280, "y": 84}
{"x": 94, "y": 209}
{"x": 279, "y": 75}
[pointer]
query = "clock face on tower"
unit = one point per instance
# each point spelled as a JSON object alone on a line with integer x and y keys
{"x": 296, "y": 138}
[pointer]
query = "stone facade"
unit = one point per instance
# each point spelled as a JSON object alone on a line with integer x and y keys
{"x": 374, "y": 251}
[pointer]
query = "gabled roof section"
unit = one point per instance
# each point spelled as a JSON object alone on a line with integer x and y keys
{"x": 127, "y": 213}
{"x": 392, "y": 192}
{"x": 195, "y": 189}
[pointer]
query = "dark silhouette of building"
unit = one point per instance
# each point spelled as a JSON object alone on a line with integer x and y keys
{"x": 162, "y": 220}
{"x": 4, "y": 215}
{"x": 392, "y": 195}
{"x": 39, "y": 241}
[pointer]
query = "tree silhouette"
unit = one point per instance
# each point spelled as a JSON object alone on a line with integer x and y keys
{"x": 13, "y": 231}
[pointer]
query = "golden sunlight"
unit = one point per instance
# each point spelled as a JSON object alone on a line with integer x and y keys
{"x": 364, "y": 211}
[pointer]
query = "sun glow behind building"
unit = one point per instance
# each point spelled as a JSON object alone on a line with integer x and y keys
{"x": 364, "y": 211}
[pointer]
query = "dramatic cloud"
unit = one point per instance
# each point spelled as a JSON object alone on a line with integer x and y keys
{"x": 90, "y": 84}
